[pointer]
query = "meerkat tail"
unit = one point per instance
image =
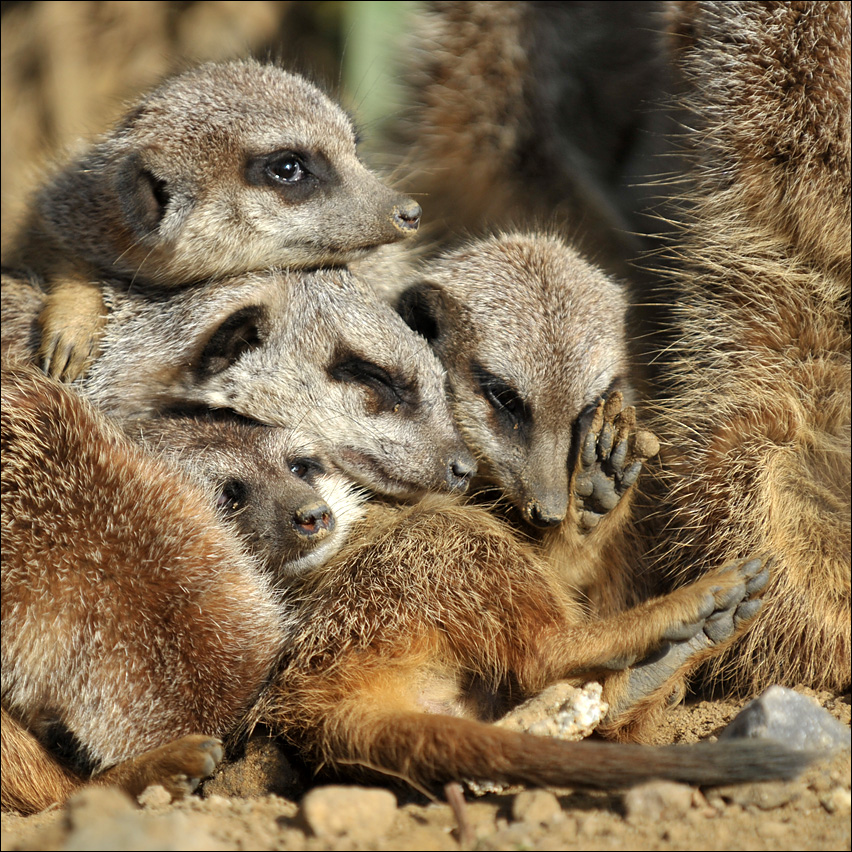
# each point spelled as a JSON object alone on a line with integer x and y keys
{"x": 427, "y": 749}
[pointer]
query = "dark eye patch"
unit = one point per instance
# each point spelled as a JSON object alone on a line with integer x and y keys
{"x": 243, "y": 330}
{"x": 506, "y": 401}
{"x": 295, "y": 175}
{"x": 391, "y": 391}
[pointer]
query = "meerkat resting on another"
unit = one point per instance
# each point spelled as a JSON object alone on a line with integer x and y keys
{"x": 542, "y": 407}
{"x": 224, "y": 169}
{"x": 272, "y": 483}
{"x": 543, "y": 410}
{"x": 313, "y": 349}
{"x": 142, "y": 680}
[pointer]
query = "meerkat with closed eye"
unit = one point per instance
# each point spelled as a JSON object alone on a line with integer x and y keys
{"x": 315, "y": 350}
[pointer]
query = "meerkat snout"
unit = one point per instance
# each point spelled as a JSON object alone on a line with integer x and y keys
{"x": 314, "y": 521}
{"x": 406, "y": 216}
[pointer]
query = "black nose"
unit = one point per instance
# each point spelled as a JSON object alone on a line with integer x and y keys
{"x": 460, "y": 471}
{"x": 406, "y": 216}
{"x": 540, "y": 517}
{"x": 313, "y": 520}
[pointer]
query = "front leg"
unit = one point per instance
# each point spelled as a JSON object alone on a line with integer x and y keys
{"x": 72, "y": 324}
{"x": 636, "y": 694}
{"x": 660, "y": 639}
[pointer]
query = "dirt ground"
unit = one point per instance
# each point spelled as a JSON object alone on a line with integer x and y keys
{"x": 812, "y": 812}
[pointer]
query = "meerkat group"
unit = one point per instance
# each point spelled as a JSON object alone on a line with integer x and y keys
{"x": 544, "y": 413}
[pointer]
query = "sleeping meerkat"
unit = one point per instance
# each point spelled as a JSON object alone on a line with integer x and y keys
{"x": 226, "y": 168}
{"x": 427, "y": 610}
{"x": 314, "y": 350}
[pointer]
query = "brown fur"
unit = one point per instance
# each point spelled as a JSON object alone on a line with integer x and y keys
{"x": 754, "y": 402}
{"x": 131, "y": 614}
{"x": 437, "y": 605}
{"x": 524, "y": 113}
{"x": 431, "y": 609}
{"x": 224, "y": 169}
{"x": 752, "y": 393}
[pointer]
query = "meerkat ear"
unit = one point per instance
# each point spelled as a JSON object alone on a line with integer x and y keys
{"x": 422, "y": 307}
{"x": 144, "y": 197}
{"x": 242, "y": 331}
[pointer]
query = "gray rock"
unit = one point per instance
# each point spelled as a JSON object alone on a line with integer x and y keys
{"x": 783, "y": 715}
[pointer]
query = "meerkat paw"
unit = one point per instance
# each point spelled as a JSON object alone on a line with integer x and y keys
{"x": 728, "y": 600}
{"x": 611, "y": 456}
{"x": 178, "y": 766}
{"x": 70, "y": 334}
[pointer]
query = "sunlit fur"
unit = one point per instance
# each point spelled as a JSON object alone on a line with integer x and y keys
{"x": 168, "y": 198}
{"x": 754, "y": 404}
{"x": 156, "y": 355}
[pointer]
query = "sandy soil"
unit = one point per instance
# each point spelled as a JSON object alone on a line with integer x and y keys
{"x": 812, "y": 812}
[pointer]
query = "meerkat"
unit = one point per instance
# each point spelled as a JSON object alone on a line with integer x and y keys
{"x": 271, "y": 483}
{"x": 753, "y": 403}
{"x": 137, "y": 628}
{"x": 534, "y": 342}
{"x": 227, "y": 168}
{"x": 402, "y": 642}
{"x": 315, "y": 350}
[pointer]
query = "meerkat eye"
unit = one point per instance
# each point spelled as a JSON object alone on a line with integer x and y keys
{"x": 288, "y": 168}
{"x": 306, "y": 468}
{"x": 390, "y": 392}
{"x": 502, "y": 397}
{"x": 233, "y": 496}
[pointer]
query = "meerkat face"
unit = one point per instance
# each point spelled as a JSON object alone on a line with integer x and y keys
{"x": 315, "y": 351}
{"x": 293, "y": 507}
{"x": 531, "y": 337}
{"x": 225, "y": 169}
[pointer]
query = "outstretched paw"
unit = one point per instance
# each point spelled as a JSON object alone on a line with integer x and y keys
{"x": 730, "y": 599}
{"x": 610, "y": 459}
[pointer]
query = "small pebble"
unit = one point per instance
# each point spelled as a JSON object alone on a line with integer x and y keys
{"x": 658, "y": 800}
{"x": 536, "y": 806}
{"x": 362, "y": 814}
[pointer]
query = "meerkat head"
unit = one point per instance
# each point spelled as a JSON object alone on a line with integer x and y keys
{"x": 224, "y": 169}
{"x": 316, "y": 351}
{"x": 531, "y": 337}
{"x": 292, "y": 506}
